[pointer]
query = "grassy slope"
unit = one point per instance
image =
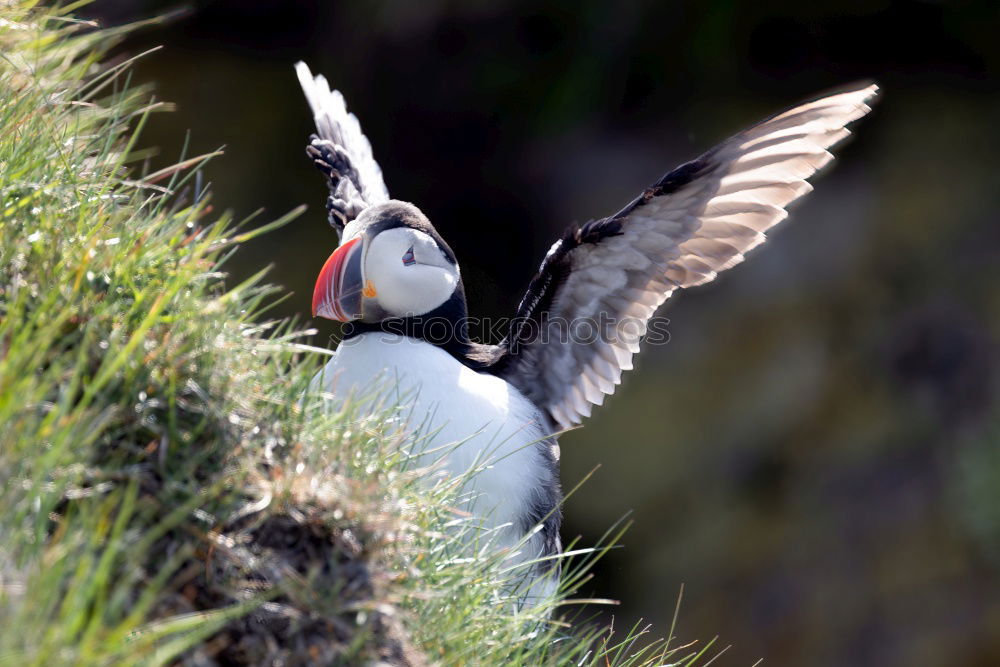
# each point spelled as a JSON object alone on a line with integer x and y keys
{"x": 165, "y": 490}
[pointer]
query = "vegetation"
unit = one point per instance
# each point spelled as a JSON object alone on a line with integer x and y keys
{"x": 170, "y": 490}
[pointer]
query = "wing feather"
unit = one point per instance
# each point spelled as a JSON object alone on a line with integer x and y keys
{"x": 341, "y": 151}
{"x": 698, "y": 220}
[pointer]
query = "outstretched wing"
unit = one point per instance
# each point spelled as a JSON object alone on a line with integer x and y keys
{"x": 341, "y": 151}
{"x": 588, "y": 307}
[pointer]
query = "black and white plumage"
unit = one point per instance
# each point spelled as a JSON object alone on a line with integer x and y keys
{"x": 393, "y": 274}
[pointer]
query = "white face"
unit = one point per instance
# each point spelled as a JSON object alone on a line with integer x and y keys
{"x": 410, "y": 274}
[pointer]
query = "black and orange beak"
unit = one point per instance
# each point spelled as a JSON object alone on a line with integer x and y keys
{"x": 340, "y": 287}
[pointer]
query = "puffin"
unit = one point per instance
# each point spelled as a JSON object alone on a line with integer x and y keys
{"x": 490, "y": 414}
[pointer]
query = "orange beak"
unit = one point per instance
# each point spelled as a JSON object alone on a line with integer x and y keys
{"x": 340, "y": 285}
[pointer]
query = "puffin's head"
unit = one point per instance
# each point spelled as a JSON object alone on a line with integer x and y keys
{"x": 391, "y": 263}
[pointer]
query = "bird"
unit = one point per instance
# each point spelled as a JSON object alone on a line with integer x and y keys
{"x": 499, "y": 409}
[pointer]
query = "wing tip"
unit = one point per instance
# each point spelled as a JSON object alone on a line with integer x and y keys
{"x": 862, "y": 94}
{"x": 311, "y": 85}
{"x": 871, "y": 90}
{"x": 865, "y": 89}
{"x": 868, "y": 92}
{"x": 321, "y": 98}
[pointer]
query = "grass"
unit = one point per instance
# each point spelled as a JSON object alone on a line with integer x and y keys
{"x": 170, "y": 489}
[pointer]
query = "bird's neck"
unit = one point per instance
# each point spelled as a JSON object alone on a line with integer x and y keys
{"x": 447, "y": 327}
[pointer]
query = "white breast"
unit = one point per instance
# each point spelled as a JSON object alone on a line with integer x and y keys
{"x": 469, "y": 419}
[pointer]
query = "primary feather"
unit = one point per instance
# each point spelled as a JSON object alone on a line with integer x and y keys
{"x": 696, "y": 221}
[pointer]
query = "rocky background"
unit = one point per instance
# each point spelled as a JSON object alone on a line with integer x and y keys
{"x": 815, "y": 455}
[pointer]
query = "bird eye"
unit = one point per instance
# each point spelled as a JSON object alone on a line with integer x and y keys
{"x": 408, "y": 258}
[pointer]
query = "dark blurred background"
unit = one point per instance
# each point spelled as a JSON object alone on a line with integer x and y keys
{"x": 816, "y": 453}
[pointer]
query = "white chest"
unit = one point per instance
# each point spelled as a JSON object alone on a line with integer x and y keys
{"x": 462, "y": 419}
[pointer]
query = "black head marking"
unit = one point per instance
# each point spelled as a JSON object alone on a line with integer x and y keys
{"x": 392, "y": 214}
{"x": 454, "y": 338}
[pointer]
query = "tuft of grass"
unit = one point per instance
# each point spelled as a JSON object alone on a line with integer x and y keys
{"x": 171, "y": 491}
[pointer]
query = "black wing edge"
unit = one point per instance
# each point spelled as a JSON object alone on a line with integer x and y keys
{"x": 537, "y": 300}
